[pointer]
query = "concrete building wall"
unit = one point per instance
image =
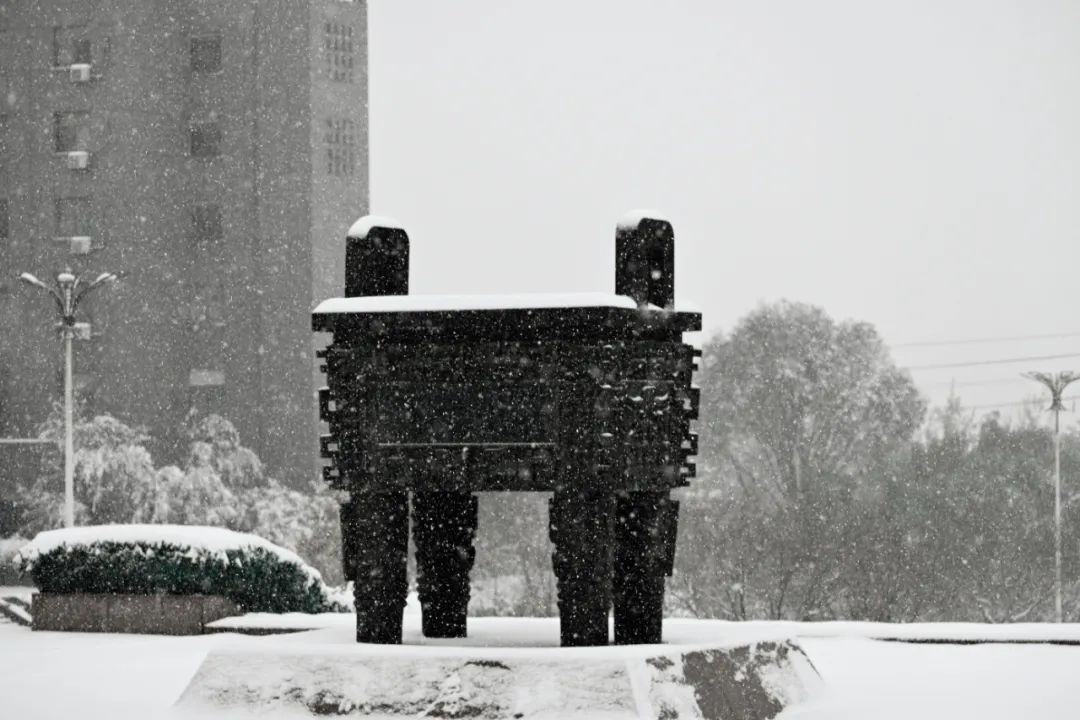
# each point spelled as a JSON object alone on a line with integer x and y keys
{"x": 282, "y": 250}
{"x": 340, "y": 179}
{"x": 229, "y": 313}
{"x": 340, "y": 173}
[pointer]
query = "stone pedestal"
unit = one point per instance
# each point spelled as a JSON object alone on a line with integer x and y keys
{"x": 754, "y": 681}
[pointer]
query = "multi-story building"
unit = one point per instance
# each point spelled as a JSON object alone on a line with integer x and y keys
{"x": 213, "y": 154}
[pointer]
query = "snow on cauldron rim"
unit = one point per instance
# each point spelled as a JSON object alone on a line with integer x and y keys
{"x": 446, "y": 303}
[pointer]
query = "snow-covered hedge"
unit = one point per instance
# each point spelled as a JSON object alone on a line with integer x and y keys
{"x": 178, "y": 560}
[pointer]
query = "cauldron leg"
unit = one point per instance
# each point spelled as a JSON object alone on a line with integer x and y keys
{"x": 581, "y": 530}
{"x": 645, "y": 524}
{"x": 375, "y": 538}
{"x": 350, "y": 541}
{"x": 444, "y": 525}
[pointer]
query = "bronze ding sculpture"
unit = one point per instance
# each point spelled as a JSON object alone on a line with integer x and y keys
{"x": 433, "y": 399}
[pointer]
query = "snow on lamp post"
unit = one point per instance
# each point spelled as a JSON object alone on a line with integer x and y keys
{"x": 69, "y": 290}
{"x": 1056, "y": 384}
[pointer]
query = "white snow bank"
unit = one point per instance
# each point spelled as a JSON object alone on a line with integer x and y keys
{"x": 917, "y": 632}
{"x": 363, "y": 226}
{"x": 633, "y": 218}
{"x": 543, "y": 633}
{"x": 442, "y": 303}
{"x": 105, "y": 677}
{"x": 213, "y": 542}
{"x": 488, "y": 637}
{"x": 22, "y": 592}
{"x": 869, "y": 680}
{"x": 13, "y": 609}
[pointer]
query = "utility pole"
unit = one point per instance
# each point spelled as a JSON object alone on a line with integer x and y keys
{"x": 1056, "y": 384}
{"x": 67, "y": 293}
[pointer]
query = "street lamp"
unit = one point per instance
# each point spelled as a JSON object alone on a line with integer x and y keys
{"x": 67, "y": 293}
{"x": 1056, "y": 384}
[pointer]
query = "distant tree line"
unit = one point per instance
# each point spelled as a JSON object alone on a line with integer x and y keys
{"x": 220, "y": 483}
{"x": 825, "y": 490}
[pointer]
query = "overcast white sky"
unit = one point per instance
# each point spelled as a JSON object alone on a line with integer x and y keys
{"x": 913, "y": 164}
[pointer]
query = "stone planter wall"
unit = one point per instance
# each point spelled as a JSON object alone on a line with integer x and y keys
{"x": 151, "y": 614}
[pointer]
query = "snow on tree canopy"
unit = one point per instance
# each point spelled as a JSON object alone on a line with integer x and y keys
{"x": 440, "y": 303}
{"x": 363, "y": 226}
{"x": 211, "y": 542}
{"x": 633, "y": 218}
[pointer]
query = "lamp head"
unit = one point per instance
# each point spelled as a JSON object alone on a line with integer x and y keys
{"x": 1055, "y": 383}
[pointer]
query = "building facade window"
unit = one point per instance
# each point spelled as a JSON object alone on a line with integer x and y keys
{"x": 206, "y": 223}
{"x": 92, "y": 312}
{"x": 201, "y": 377}
{"x": 70, "y": 130}
{"x": 206, "y": 379}
{"x": 339, "y": 137}
{"x": 205, "y": 139}
{"x": 7, "y": 98}
{"x": 206, "y": 390}
{"x": 80, "y": 51}
{"x": 206, "y": 54}
{"x": 71, "y": 46}
{"x": 204, "y": 308}
{"x": 338, "y": 51}
{"x": 74, "y": 217}
{"x": 4, "y": 144}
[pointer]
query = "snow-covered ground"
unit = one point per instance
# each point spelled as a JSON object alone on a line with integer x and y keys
{"x": 542, "y": 632}
{"x": 873, "y": 680}
{"x": 88, "y": 676}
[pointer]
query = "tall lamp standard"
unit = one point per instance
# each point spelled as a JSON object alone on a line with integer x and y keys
{"x": 1056, "y": 384}
{"x": 69, "y": 290}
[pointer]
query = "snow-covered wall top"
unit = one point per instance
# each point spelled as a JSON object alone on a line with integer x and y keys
{"x": 438, "y": 303}
{"x": 212, "y": 541}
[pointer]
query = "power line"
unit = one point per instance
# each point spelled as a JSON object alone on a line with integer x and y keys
{"x": 1019, "y": 403}
{"x": 969, "y": 383}
{"x": 974, "y": 341}
{"x": 1000, "y": 361}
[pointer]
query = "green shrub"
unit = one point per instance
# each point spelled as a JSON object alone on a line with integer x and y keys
{"x": 257, "y": 579}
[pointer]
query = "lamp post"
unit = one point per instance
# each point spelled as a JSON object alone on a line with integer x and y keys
{"x": 69, "y": 290}
{"x": 1056, "y": 384}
